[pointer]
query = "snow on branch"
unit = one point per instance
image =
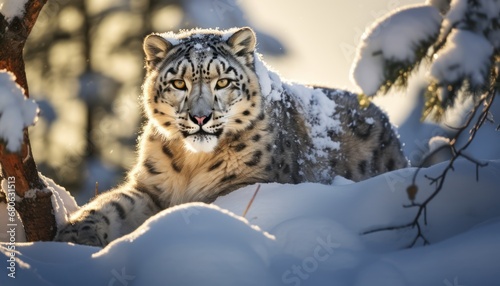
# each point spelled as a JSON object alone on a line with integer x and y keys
{"x": 475, "y": 15}
{"x": 465, "y": 56}
{"x": 442, "y": 5}
{"x": 11, "y": 9}
{"x": 394, "y": 43}
{"x": 16, "y": 111}
{"x": 457, "y": 39}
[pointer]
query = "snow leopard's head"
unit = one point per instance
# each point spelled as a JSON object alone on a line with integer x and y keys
{"x": 201, "y": 85}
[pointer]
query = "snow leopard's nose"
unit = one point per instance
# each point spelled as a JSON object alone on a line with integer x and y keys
{"x": 200, "y": 120}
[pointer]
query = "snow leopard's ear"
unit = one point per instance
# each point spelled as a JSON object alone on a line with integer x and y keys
{"x": 156, "y": 49}
{"x": 242, "y": 42}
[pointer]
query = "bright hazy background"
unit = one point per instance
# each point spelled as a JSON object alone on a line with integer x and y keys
{"x": 320, "y": 35}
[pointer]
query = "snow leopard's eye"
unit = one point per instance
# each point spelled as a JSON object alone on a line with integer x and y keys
{"x": 179, "y": 84}
{"x": 222, "y": 83}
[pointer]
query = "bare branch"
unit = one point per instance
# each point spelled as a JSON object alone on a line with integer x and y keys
{"x": 457, "y": 152}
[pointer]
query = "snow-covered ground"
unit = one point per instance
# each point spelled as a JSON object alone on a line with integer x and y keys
{"x": 306, "y": 234}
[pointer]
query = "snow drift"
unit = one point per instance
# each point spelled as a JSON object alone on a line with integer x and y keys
{"x": 306, "y": 234}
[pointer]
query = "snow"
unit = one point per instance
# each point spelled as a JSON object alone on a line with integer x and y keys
{"x": 198, "y": 46}
{"x": 177, "y": 38}
{"x": 320, "y": 113}
{"x": 369, "y": 120}
{"x": 482, "y": 12}
{"x": 442, "y": 5}
{"x": 62, "y": 202}
{"x": 437, "y": 142}
{"x": 481, "y": 148}
{"x": 456, "y": 13}
{"x": 494, "y": 38}
{"x": 471, "y": 258}
{"x": 470, "y": 29}
{"x": 306, "y": 234}
{"x": 269, "y": 80}
{"x": 12, "y": 8}
{"x": 395, "y": 37}
{"x": 490, "y": 8}
{"x": 17, "y": 112}
{"x": 454, "y": 60}
{"x": 318, "y": 109}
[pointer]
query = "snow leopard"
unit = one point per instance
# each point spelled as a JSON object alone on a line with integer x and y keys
{"x": 217, "y": 118}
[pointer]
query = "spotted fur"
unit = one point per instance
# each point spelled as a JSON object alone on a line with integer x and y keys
{"x": 218, "y": 120}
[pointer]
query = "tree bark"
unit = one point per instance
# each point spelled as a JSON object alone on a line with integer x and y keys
{"x": 36, "y": 211}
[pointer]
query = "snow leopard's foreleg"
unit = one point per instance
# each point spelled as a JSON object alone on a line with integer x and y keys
{"x": 109, "y": 216}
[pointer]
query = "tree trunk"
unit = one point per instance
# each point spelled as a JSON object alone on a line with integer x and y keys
{"x": 36, "y": 212}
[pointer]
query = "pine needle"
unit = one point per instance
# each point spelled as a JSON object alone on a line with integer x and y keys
{"x": 251, "y": 200}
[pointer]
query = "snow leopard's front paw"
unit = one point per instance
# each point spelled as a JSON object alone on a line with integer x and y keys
{"x": 88, "y": 232}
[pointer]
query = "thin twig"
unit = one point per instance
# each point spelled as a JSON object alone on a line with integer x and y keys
{"x": 251, "y": 200}
{"x": 96, "y": 191}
